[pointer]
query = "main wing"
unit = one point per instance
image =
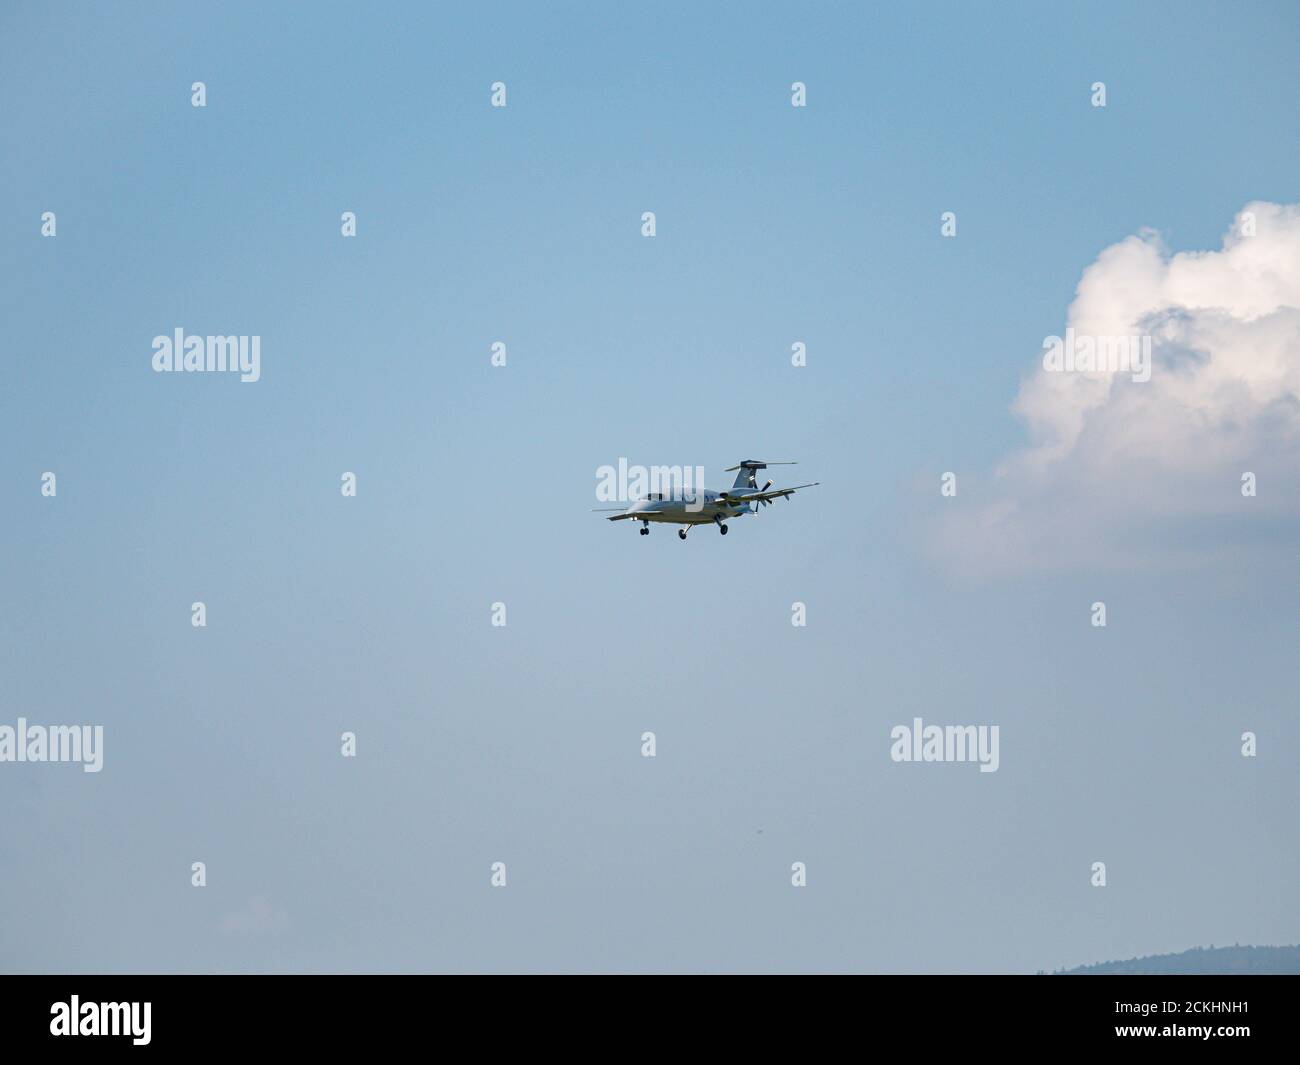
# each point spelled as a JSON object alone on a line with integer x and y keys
{"x": 624, "y": 515}
{"x": 764, "y": 497}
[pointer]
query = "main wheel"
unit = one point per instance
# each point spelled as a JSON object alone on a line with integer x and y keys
{"x": 645, "y": 532}
{"x": 681, "y": 533}
{"x": 724, "y": 529}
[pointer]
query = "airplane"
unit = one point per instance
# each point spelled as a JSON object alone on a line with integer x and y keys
{"x": 685, "y": 509}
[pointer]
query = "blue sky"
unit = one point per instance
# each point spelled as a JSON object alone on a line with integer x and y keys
{"x": 478, "y": 744}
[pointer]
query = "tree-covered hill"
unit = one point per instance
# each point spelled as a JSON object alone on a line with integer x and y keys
{"x": 1259, "y": 961}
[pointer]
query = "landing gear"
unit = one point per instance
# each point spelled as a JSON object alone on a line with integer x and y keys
{"x": 645, "y": 529}
{"x": 722, "y": 529}
{"x": 681, "y": 533}
{"x": 722, "y": 525}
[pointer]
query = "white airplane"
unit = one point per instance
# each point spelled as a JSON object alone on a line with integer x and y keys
{"x": 687, "y": 508}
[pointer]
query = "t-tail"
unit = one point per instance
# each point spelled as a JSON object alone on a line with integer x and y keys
{"x": 746, "y": 478}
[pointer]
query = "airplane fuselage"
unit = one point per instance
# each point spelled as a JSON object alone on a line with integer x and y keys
{"x": 688, "y": 509}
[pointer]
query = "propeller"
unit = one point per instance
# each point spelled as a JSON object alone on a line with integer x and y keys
{"x": 752, "y": 466}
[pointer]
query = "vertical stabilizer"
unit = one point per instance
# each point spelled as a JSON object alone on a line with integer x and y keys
{"x": 746, "y": 479}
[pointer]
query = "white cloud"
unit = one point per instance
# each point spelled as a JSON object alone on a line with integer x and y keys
{"x": 1122, "y": 473}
